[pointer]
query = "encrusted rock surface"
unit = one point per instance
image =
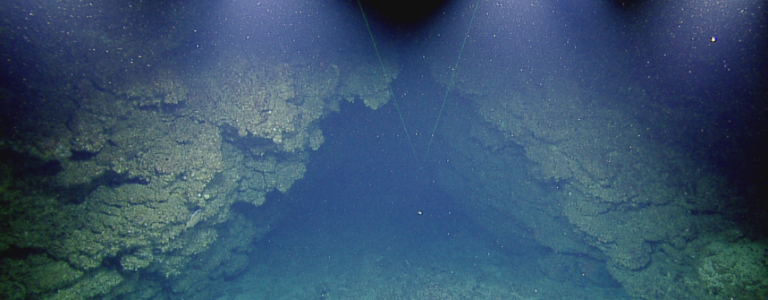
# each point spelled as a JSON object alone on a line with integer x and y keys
{"x": 610, "y": 191}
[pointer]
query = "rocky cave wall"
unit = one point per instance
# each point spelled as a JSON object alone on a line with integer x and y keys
{"x": 594, "y": 184}
{"x": 125, "y": 165}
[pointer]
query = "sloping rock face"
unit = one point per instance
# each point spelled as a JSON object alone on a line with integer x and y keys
{"x": 131, "y": 164}
{"x": 124, "y": 160}
{"x": 146, "y": 188}
{"x": 557, "y": 166}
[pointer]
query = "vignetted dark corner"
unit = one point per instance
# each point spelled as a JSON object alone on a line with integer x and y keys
{"x": 292, "y": 149}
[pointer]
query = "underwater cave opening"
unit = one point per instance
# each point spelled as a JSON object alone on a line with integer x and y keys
{"x": 367, "y": 221}
{"x": 370, "y": 220}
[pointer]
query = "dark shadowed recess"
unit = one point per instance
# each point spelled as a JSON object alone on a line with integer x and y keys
{"x": 404, "y": 12}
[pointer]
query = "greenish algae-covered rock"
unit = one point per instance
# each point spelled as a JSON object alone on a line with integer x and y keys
{"x": 735, "y": 270}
